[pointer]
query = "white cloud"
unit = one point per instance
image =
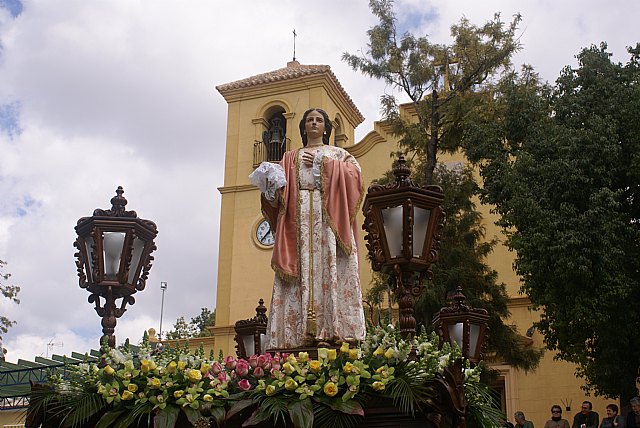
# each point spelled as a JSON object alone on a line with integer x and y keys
{"x": 123, "y": 93}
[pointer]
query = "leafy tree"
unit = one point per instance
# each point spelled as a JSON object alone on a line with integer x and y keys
{"x": 561, "y": 164}
{"x": 444, "y": 83}
{"x": 10, "y": 292}
{"x": 440, "y": 80}
{"x": 196, "y": 328}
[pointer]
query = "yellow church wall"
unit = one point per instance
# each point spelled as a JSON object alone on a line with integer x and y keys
{"x": 12, "y": 418}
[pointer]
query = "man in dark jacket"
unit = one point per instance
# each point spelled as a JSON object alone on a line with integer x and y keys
{"x": 633, "y": 417}
{"x": 586, "y": 418}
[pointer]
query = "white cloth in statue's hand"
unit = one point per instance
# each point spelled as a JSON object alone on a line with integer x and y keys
{"x": 268, "y": 177}
{"x": 315, "y": 169}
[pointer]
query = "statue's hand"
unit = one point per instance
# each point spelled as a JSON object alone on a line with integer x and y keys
{"x": 307, "y": 158}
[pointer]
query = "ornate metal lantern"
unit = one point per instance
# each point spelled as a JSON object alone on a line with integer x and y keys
{"x": 463, "y": 325}
{"x": 251, "y": 334}
{"x": 114, "y": 259}
{"x": 403, "y": 222}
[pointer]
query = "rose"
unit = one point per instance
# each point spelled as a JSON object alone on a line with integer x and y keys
{"x": 207, "y": 397}
{"x": 322, "y": 353}
{"x": 332, "y": 354}
{"x": 330, "y": 389}
{"x": 230, "y": 362}
{"x": 345, "y": 347}
{"x": 291, "y": 358}
{"x": 353, "y": 354}
{"x": 264, "y": 361}
{"x": 378, "y": 351}
{"x": 204, "y": 368}
{"x": 303, "y": 356}
{"x": 270, "y": 390}
{"x": 216, "y": 368}
{"x": 132, "y": 387}
{"x": 315, "y": 366}
{"x": 275, "y": 362}
{"x": 154, "y": 383}
{"x": 108, "y": 370}
{"x": 253, "y": 361}
{"x": 258, "y": 372}
{"x": 244, "y": 385}
{"x": 171, "y": 368}
{"x": 181, "y": 365}
{"x": 288, "y": 368}
{"x": 223, "y": 377}
{"x": 194, "y": 375}
{"x": 147, "y": 365}
{"x": 290, "y": 384}
{"x": 348, "y": 367}
{"x": 127, "y": 395}
{"x": 242, "y": 368}
{"x": 178, "y": 393}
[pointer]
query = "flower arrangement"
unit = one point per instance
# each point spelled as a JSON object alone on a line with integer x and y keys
{"x": 294, "y": 387}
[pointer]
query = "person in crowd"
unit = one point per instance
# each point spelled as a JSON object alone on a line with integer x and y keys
{"x": 521, "y": 422}
{"x": 613, "y": 420}
{"x": 587, "y": 418}
{"x": 556, "y": 420}
{"x": 633, "y": 417}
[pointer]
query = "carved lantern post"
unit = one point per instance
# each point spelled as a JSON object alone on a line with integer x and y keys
{"x": 251, "y": 334}
{"x": 114, "y": 259}
{"x": 465, "y": 326}
{"x": 403, "y": 222}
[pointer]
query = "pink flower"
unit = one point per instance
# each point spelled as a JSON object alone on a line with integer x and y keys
{"x": 242, "y": 368}
{"x": 230, "y": 362}
{"x": 216, "y": 368}
{"x": 244, "y": 385}
{"x": 264, "y": 361}
{"x": 258, "y": 372}
{"x": 253, "y": 361}
{"x": 275, "y": 363}
{"x": 223, "y": 377}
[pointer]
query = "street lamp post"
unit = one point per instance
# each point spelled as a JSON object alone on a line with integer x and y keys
{"x": 163, "y": 287}
{"x": 114, "y": 259}
{"x": 403, "y": 222}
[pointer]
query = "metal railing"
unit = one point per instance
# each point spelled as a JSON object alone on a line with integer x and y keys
{"x": 269, "y": 152}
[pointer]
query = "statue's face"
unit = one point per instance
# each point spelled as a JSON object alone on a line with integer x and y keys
{"x": 314, "y": 124}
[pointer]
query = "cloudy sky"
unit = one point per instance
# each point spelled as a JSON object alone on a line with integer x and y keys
{"x": 96, "y": 94}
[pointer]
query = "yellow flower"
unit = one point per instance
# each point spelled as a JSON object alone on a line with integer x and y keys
{"x": 347, "y": 368}
{"x": 353, "y": 354}
{"x": 303, "y": 356}
{"x": 171, "y": 368}
{"x": 345, "y": 347}
{"x": 132, "y": 387}
{"x": 154, "y": 382}
{"x": 330, "y": 389}
{"x": 322, "y": 353}
{"x": 389, "y": 354}
{"x": 291, "y": 358}
{"x": 378, "y": 351}
{"x": 288, "y": 368}
{"x": 332, "y": 354}
{"x": 378, "y": 386}
{"x": 194, "y": 375}
{"x": 127, "y": 395}
{"x": 315, "y": 366}
{"x": 270, "y": 390}
{"x": 145, "y": 366}
{"x": 204, "y": 368}
{"x": 109, "y": 371}
{"x": 178, "y": 393}
{"x": 207, "y": 397}
{"x": 290, "y": 384}
{"x": 181, "y": 365}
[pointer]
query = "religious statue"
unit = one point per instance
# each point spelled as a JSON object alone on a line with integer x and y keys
{"x": 310, "y": 200}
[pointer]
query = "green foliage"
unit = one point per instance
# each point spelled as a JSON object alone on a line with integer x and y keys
{"x": 196, "y": 328}
{"x": 439, "y": 79}
{"x": 10, "y": 292}
{"x": 561, "y": 164}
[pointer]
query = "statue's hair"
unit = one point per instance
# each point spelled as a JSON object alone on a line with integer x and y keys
{"x": 328, "y": 126}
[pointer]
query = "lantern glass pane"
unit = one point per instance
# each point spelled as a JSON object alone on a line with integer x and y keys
{"x": 112, "y": 244}
{"x": 455, "y": 334}
{"x": 475, "y": 334}
{"x": 88, "y": 242}
{"x": 138, "y": 246}
{"x": 263, "y": 343}
{"x": 392, "y": 221}
{"x": 249, "y": 344}
{"x": 420, "y": 223}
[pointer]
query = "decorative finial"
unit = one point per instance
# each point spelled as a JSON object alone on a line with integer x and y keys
{"x": 459, "y": 298}
{"x": 118, "y": 202}
{"x": 294, "y": 44}
{"x": 402, "y": 172}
